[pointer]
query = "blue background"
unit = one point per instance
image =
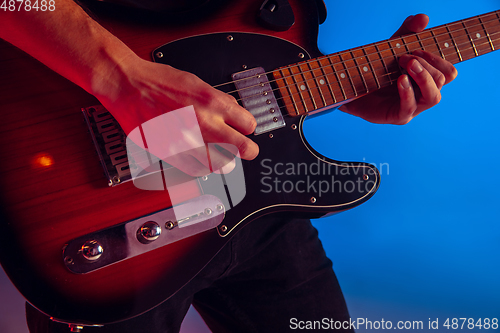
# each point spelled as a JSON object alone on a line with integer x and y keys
{"x": 427, "y": 245}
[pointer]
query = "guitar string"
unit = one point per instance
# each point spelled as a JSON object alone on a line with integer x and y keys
{"x": 343, "y": 62}
{"x": 338, "y": 94}
{"x": 286, "y": 105}
{"x": 379, "y": 53}
{"x": 347, "y": 68}
{"x": 143, "y": 158}
{"x": 387, "y": 41}
{"x": 336, "y": 91}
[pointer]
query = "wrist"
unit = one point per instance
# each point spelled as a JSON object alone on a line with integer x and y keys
{"x": 108, "y": 78}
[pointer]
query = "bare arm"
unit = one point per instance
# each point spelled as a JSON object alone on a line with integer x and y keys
{"x": 134, "y": 90}
{"x": 68, "y": 41}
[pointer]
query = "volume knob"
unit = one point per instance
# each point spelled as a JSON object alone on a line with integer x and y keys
{"x": 148, "y": 232}
{"x": 92, "y": 250}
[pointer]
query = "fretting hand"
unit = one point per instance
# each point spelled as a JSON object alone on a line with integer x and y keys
{"x": 400, "y": 103}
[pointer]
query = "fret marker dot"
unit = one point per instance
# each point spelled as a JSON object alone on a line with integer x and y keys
{"x": 478, "y": 35}
{"x": 446, "y": 44}
{"x": 398, "y": 45}
{"x": 322, "y": 81}
{"x": 303, "y": 87}
{"x": 342, "y": 75}
{"x": 365, "y": 69}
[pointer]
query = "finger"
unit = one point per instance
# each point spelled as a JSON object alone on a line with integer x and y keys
{"x": 222, "y": 160}
{"x": 426, "y": 84}
{"x": 213, "y": 158}
{"x": 189, "y": 164}
{"x": 413, "y": 23}
{"x": 225, "y": 147}
{"x": 247, "y": 149}
{"x": 202, "y": 161}
{"x": 436, "y": 74}
{"x": 408, "y": 103}
{"x": 240, "y": 119}
{"x": 445, "y": 67}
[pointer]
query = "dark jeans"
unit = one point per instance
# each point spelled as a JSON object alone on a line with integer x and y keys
{"x": 273, "y": 270}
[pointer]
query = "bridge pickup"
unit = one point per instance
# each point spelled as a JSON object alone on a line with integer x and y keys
{"x": 126, "y": 240}
{"x": 257, "y": 97}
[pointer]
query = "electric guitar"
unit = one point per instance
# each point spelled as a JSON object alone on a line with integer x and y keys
{"x": 85, "y": 252}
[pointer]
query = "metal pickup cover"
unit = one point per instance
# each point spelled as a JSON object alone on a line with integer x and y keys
{"x": 257, "y": 97}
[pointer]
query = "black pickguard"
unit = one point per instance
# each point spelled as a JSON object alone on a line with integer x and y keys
{"x": 288, "y": 175}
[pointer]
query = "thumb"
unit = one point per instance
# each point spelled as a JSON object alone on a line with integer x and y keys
{"x": 413, "y": 23}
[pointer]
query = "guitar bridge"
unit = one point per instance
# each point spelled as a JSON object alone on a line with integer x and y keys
{"x": 109, "y": 141}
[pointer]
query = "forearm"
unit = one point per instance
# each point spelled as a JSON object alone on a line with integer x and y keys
{"x": 134, "y": 90}
{"x": 69, "y": 42}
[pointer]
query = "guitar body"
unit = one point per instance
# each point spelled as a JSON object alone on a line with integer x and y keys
{"x": 53, "y": 191}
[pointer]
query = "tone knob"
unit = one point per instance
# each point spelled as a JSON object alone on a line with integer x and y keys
{"x": 148, "y": 232}
{"x": 92, "y": 250}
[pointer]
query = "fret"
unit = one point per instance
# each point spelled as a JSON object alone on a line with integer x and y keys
{"x": 445, "y": 44}
{"x": 341, "y": 74}
{"x": 338, "y": 80}
{"x": 411, "y": 43}
{"x": 370, "y": 53}
{"x": 470, "y": 40}
{"x": 492, "y": 28}
{"x": 395, "y": 68}
{"x": 346, "y": 75}
{"x": 336, "y": 76}
{"x": 286, "y": 92}
{"x": 398, "y": 47}
{"x": 454, "y": 42}
{"x": 462, "y": 40}
{"x": 311, "y": 86}
{"x": 366, "y": 69}
{"x": 394, "y": 49}
{"x": 477, "y": 35}
{"x": 305, "y": 86}
{"x": 382, "y": 53}
{"x": 437, "y": 43}
{"x": 422, "y": 47}
{"x": 287, "y": 95}
{"x": 301, "y": 88}
{"x": 491, "y": 43}
{"x": 429, "y": 42}
{"x": 487, "y": 35}
{"x": 390, "y": 59}
{"x": 357, "y": 56}
{"x": 320, "y": 83}
{"x": 331, "y": 79}
{"x": 324, "y": 82}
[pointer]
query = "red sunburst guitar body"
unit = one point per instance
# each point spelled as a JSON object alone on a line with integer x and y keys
{"x": 56, "y": 203}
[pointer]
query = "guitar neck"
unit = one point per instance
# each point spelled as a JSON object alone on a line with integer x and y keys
{"x": 340, "y": 77}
